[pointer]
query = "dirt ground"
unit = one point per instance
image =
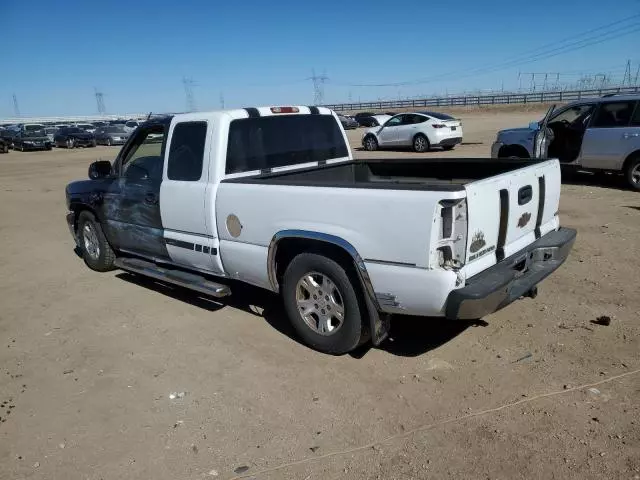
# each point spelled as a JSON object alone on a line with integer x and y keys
{"x": 89, "y": 362}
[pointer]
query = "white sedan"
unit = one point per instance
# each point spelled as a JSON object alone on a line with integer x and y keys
{"x": 420, "y": 130}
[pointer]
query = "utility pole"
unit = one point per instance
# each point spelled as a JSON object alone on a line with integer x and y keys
{"x": 318, "y": 87}
{"x": 100, "y": 101}
{"x": 190, "y": 102}
{"x": 221, "y": 101}
{"x": 16, "y": 110}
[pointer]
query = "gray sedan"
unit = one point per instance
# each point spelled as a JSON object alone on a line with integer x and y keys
{"x": 111, "y": 135}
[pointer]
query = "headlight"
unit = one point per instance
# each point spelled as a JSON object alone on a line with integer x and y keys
{"x": 27, "y": 142}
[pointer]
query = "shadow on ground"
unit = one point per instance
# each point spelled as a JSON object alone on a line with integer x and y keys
{"x": 602, "y": 180}
{"x": 409, "y": 337}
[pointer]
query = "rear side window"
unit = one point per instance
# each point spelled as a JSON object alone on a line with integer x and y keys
{"x": 278, "y": 141}
{"x": 614, "y": 114}
{"x": 187, "y": 151}
{"x": 635, "y": 121}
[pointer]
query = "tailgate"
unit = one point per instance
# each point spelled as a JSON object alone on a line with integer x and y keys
{"x": 509, "y": 211}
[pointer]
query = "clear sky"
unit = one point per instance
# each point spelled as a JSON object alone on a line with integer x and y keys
{"x": 262, "y": 52}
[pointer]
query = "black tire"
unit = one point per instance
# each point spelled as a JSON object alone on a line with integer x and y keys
{"x": 103, "y": 260}
{"x": 108, "y": 141}
{"x": 348, "y": 334}
{"x": 70, "y": 143}
{"x": 370, "y": 143}
{"x": 421, "y": 143}
{"x": 49, "y": 147}
{"x": 447, "y": 148}
{"x": 632, "y": 173}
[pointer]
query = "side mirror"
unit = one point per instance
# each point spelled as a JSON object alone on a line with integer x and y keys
{"x": 99, "y": 169}
{"x": 534, "y": 126}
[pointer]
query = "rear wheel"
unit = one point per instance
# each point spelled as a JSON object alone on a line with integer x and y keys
{"x": 633, "y": 173}
{"x": 322, "y": 304}
{"x": 420, "y": 143}
{"x": 70, "y": 143}
{"x": 96, "y": 251}
{"x": 370, "y": 143}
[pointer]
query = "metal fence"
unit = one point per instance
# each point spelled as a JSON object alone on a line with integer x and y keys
{"x": 492, "y": 99}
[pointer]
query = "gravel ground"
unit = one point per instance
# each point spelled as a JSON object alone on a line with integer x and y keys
{"x": 89, "y": 361}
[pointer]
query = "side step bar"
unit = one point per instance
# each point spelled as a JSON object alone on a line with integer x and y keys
{"x": 192, "y": 281}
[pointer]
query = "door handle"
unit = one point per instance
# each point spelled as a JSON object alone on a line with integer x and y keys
{"x": 629, "y": 135}
{"x": 151, "y": 198}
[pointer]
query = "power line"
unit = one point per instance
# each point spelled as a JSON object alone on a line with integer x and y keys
{"x": 525, "y": 57}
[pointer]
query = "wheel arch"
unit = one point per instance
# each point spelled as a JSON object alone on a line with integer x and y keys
{"x": 77, "y": 208}
{"x": 633, "y": 155}
{"x": 512, "y": 150}
{"x": 287, "y": 243}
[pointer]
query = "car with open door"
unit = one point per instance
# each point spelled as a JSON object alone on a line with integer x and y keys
{"x": 600, "y": 135}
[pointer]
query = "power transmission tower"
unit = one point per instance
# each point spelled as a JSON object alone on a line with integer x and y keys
{"x": 635, "y": 81}
{"x": 16, "y": 110}
{"x": 221, "y": 101}
{"x": 100, "y": 101}
{"x": 318, "y": 87}
{"x": 188, "y": 93}
{"x": 626, "y": 80}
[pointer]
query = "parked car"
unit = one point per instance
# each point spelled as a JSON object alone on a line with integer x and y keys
{"x": 363, "y": 118}
{"x": 50, "y": 132}
{"x": 599, "y": 135}
{"x": 87, "y": 127}
{"x": 31, "y": 140}
{"x": 348, "y": 123}
{"x": 431, "y": 238}
{"x": 131, "y": 125}
{"x": 7, "y": 137}
{"x": 4, "y": 143}
{"x": 100, "y": 124}
{"x": 420, "y": 130}
{"x": 31, "y": 127}
{"x": 71, "y": 137}
{"x": 111, "y": 135}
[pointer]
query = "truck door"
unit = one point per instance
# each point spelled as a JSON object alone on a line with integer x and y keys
{"x": 189, "y": 226}
{"x": 132, "y": 201}
{"x": 610, "y": 137}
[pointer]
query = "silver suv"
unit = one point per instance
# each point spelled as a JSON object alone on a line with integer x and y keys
{"x": 601, "y": 134}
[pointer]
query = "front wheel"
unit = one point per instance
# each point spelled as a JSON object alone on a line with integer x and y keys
{"x": 96, "y": 251}
{"x": 632, "y": 173}
{"x": 70, "y": 143}
{"x": 322, "y": 304}
{"x": 370, "y": 143}
{"x": 420, "y": 143}
{"x": 108, "y": 141}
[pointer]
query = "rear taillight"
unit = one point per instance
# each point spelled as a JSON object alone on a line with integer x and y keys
{"x": 438, "y": 125}
{"x": 452, "y": 235}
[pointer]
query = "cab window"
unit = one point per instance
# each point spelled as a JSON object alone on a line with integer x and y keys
{"x": 143, "y": 158}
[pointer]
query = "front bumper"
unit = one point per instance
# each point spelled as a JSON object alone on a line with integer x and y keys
{"x": 512, "y": 278}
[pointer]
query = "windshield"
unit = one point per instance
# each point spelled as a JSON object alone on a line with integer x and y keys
{"x": 571, "y": 114}
{"x": 33, "y": 133}
{"x": 73, "y": 130}
{"x": 115, "y": 129}
{"x": 33, "y": 128}
{"x": 84, "y": 125}
{"x": 50, "y": 130}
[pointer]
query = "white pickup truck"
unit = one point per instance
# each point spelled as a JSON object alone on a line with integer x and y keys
{"x": 272, "y": 197}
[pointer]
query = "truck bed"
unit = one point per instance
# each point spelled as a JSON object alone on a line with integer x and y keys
{"x": 439, "y": 174}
